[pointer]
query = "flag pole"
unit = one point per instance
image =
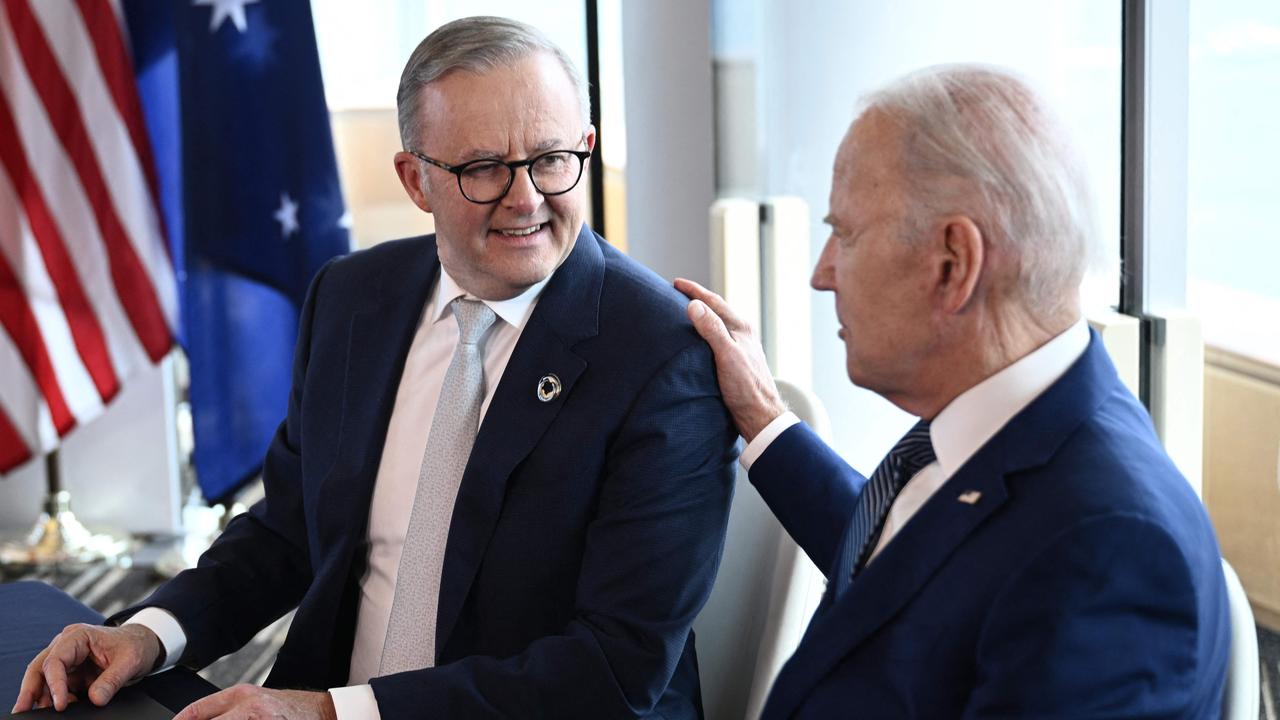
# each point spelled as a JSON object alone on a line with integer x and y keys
{"x": 58, "y": 538}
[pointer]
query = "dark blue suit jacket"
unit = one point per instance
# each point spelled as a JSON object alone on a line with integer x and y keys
{"x": 586, "y": 533}
{"x": 1085, "y": 582}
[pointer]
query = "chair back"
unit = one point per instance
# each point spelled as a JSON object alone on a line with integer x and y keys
{"x": 798, "y": 584}
{"x": 764, "y": 595}
{"x": 1242, "y": 695}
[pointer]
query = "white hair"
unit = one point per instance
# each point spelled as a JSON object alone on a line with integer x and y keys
{"x": 475, "y": 44}
{"x": 1019, "y": 177}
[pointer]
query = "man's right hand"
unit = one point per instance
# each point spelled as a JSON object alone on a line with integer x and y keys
{"x": 99, "y": 660}
{"x": 746, "y": 385}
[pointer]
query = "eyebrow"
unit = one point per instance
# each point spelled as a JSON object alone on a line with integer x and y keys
{"x": 544, "y": 146}
{"x": 477, "y": 154}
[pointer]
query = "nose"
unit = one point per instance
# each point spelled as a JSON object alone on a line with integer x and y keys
{"x": 824, "y": 273}
{"x": 522, "y": 198}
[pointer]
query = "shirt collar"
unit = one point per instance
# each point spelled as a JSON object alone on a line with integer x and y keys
{"x": 515, "y": 311}
{"x": 978, "y": 413}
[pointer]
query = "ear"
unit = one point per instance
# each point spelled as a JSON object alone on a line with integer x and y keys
{"x": 412, "y": 174}
{"x": 961, "y": 261}
{"x": 591, "y": 137}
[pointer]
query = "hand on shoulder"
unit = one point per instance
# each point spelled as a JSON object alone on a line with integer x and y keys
{"x": 746, "y": 384}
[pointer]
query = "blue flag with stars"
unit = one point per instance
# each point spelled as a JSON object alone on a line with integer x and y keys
{"x": 235, "y": 106}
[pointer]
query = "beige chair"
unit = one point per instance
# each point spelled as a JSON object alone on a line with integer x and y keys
{"x": 1242, "y": 695}
{"x": 797, "y": 585}
{"x": 765, "y": 592}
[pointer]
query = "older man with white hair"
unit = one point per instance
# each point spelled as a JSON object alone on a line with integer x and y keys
{"x": 1027, "y": 549}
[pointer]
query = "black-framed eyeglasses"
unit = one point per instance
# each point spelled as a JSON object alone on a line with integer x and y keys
{"x": 487, "y": 181}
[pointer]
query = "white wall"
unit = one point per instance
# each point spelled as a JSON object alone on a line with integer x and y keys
{"x": 818, "y": 57}
{"x": 670, "y": 156}
{"x": 121, "y": 468}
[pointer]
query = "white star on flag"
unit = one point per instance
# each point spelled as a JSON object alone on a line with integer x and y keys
{"x": 287, "y": 216}
{"x": 223, "y": 9}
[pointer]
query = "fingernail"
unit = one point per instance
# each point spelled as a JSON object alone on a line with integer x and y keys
{"x": 697, "y": 309}
{"x": 101, "y": 695}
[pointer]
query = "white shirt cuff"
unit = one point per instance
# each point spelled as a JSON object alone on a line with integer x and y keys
{"x": 355, "y": 703}
{"x": 167, "y": 628}
{"x": 761, "y": 442}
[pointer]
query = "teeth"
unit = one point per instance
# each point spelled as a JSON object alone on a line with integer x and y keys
{"x": 522, "y": 233}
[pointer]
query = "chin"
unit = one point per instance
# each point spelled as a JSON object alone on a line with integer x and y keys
{"x": 858, "y": 374}
{"x": 855, "y": 376}
{"x": 524, "y": 277}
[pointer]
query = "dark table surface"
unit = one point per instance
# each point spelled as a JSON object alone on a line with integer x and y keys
{"x": 31, "y": 613}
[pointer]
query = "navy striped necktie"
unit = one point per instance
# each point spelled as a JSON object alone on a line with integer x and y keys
{"x": 908, "y": 457}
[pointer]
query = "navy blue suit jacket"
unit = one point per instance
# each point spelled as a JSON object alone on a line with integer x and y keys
{"x": 586, "y": 533}
{"x": 1085, "y": 582}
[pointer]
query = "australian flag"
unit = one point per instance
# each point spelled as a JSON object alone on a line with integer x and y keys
{"x": 235, "y": 106}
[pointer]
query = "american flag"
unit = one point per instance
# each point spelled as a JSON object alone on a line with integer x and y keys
{"x": 87, "y": 285}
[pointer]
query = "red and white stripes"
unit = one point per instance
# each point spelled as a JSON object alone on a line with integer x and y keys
{"x": 87, "y": 289}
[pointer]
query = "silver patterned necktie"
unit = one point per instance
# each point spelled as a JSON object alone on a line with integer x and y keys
{"x": 908, "y": 457}
{"x": 411, "y": 631}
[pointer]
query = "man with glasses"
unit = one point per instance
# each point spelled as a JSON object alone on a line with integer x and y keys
{"x": 502, "y": 485}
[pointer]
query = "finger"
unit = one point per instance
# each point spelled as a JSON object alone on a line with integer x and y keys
{"x": 710, "y": 327}
{"x": 717, "y": 304}
{"x": 194, "y": 711}
{"x": 118, "y": 660}
{"x": 55, "y": 679}
{"x": 211, "y": 706}
{"x": 32, "y": 686}
{"x": 66, "y": 653}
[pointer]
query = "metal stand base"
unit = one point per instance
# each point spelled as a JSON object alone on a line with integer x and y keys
{"x": 202, "y": 525}
{"x": 58, "y": 539}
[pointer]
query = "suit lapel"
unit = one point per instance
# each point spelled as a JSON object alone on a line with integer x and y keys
{"x": 567, "y": 312}
{"x": 938, "y": 529}
{"x": 379, "y": 336}
{"x": 379, "y": 333}
{"x": 888, "y": 582}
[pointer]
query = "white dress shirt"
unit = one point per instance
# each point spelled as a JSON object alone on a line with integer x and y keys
{"x": 964, "y": 425}
{"x": 397, "y": 479}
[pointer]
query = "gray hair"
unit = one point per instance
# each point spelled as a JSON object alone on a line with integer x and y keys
{"x": 475, "y": 44}
{"x": 1020, "y": 179}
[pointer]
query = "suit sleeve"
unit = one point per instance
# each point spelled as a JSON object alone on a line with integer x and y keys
{"x": 810, "y": 489}
{"x": 259, "y": 567}
{"x": 1102, "y": 624}
{"x": 650, "y": 560}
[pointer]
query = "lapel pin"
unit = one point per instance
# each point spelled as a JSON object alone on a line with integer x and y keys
{"x": 970, "y": 497}
{"x": 549, "y": 388}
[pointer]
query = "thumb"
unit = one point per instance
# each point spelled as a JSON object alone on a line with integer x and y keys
{"x": 109, "y": 683}
{"x": 709, "y": 326}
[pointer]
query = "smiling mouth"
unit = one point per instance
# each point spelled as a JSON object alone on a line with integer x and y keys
{"x": 521, "y": 232}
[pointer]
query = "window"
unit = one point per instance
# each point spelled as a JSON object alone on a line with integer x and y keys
{"x": 1233, "y": 159}
{"x": 807, "y": 68}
